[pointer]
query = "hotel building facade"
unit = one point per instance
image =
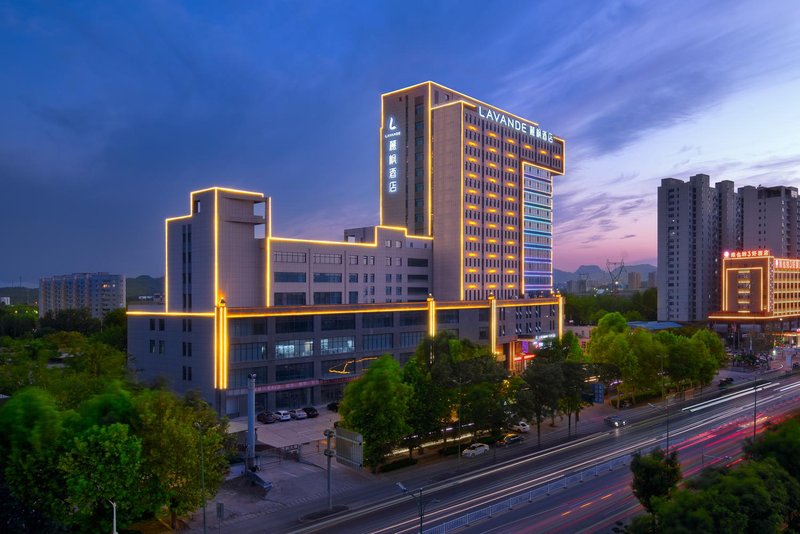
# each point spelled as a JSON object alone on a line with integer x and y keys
{"x": 464, "y": 244}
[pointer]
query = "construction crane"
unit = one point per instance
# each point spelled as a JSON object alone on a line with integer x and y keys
{"x": 615, "y": 270}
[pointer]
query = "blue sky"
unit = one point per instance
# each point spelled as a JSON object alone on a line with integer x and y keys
{"x": 111, "y": 112}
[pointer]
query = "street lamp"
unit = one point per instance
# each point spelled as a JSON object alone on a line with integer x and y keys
{"x": 113, "y": 517}
{"x": 421, "y": 505}
{"x": 329, "y": 454}
{"x": 199, "y": 428}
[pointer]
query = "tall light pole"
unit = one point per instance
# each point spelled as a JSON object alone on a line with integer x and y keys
{"x": 421, "y": 505}
{"x": 755, "y": 404}
{"x": 113, "y": 517}
{"x": 329, "y": 454}
{"x": 202, "y": 473}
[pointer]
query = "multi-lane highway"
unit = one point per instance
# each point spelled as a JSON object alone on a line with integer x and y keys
{"x": 704, "y": 432}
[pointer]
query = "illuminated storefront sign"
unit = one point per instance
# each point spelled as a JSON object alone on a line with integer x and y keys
{"x": 516, "y": 124}
{"x": 747, "y": 253}
{"x": 787, "y": 264}
{"x": 391, "y": 137}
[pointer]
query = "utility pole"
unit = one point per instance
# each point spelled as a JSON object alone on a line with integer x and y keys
{"x": 329, "y": 454}
{"x": 199, "y": 428}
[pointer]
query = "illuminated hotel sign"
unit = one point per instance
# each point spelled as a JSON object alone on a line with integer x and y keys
{"x": 391, "y": 137}
{"x": 516, "y": 124}
{"x": 787, "y": 264}
{"x": 747, "y": 253}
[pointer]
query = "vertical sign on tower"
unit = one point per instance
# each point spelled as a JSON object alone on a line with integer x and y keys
{"x": 391, "y": 138}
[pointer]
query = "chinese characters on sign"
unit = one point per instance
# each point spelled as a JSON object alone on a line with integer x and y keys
{"x": 391, "y": 154}
{"x": 787, "y": 264}
{"x": 516, "y": 124}
{"x": 747, "y": 253}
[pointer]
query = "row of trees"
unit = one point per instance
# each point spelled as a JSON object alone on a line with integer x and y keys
{"x": 22, "y": 321}
{"x": 646, "y": 362}
{"x": 589, "y": 309}
{"x": 760, "y": 495}
{"x": 77, "y": 433}
{"x": 451, "y": 380}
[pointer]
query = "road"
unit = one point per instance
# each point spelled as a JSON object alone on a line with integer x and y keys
{"x": 704, "y": 432}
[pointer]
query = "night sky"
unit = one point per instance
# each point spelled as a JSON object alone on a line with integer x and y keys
{"x": 111, "y": 112}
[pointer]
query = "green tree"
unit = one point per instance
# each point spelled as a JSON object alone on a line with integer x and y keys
{"x": 102, "y": 464}
{"x": 375, "y": 406}
{"x": 428, "y": 405}
{"x": 114, "y": 330}
{"x": 171, "y": 429}
{"x": 542, "y": 395}
{"x": 655, "y": 476}
{"x": 18, "y": 321}
{"x": 571, "y": 403}
{"x": 78, "y": 320}
{"x": 781, "y": 444}
{"x": 30, "y": 433}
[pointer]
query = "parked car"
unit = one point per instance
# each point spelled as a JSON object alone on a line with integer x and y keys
{"x": 333, "y": 406}
{"x": 509, "y": 439}
{"x": 615, "y": 421}
{"x": 476, "y": 449}
{"x": 298, "y": 414}
{"x": 725, "y": 381}
{"x": 282, "y": 415}
{"x": 796, "y": 365}
{"x": 311, "y": 411}
{"x": 521, "y": 426}
{"x": 266, "y": 418}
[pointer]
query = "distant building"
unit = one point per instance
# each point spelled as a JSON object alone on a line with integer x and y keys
{"x": 577, "y": 287}
{"x": 696, "y": 222}
{"x": 634, "y": 281}
{"x": 770, "y": 220}
{"x": 651, "y": 279}
{"x": 98, "y": 292}
{"x": 6, "y": 301}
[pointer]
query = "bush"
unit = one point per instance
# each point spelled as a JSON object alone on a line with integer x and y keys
{"x": 399, "y": 464}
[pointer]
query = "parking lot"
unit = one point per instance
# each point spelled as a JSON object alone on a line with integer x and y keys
{"x": 286, "y": 433}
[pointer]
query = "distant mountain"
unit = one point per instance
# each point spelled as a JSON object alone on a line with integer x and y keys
{"x": 21, "y": 295}
{"x": 599, "y": 274}
{"x": 142, "y": 286}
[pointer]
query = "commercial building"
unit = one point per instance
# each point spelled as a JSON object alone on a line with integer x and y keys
{"x": 100, "y": 293}
{"x": 634, "y": 281}
{"x": 760, "y": 292}
{"x": 770, "y": 220}
{"x": 696, "y": 222}
{"x": 307, "y": 316}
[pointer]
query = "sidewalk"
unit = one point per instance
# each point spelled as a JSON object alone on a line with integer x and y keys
{"x": 304, "y": 481}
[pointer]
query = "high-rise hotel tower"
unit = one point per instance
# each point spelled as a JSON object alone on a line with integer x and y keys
{"x": 478, "y": 180}
{"x": 464, "y": 245}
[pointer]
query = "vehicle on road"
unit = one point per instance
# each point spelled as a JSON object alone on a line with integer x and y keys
{"x": 333, "y": 406}
{"x": 509, "y": 439}
{"x": 283, "y": 415}
{"x": 727, "y": 381}
{"x": 521, "y": 426}
{"x": 311, "y": 411}
{"x": 298, "y": 414}
{"x": 615, "y": 421}
{"x": 476, "y": 449}
{"x": 266, "y": 418}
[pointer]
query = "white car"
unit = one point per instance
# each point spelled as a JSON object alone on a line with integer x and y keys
{"x": 298, "y": 414}
{"x": 521, "y": 426}
{"x": 476, "y": 449}
{"x": 283, "y": 415}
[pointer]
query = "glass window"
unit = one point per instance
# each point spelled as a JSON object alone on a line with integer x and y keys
{"x": 289, "y": 257}
{"x": 377, "y": 320}
{"x": 294, "y": 371}
{"x": 294, "y": 348}
{"x": 417, "y": 262}
{"x": 352, "y": 297}
{"x": 415, "y": 318}
{"x": 328, "y": 258}
{"x": 327, "y": 297}
{"x": 238, "y": 377}
{"x": 287, "y": 325}
{"x": 289, "y": 299}
{"x": 337, "y": 345}
{"x": 290, "y": 277}
{"x": 377, "y": 342}
{"x": 411, "y": 339}
{"x": 352, "y": 278}
{"x": 328, "y": 278}
{"x": 344, "y": 321}
{"x": 248, "y": 352}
